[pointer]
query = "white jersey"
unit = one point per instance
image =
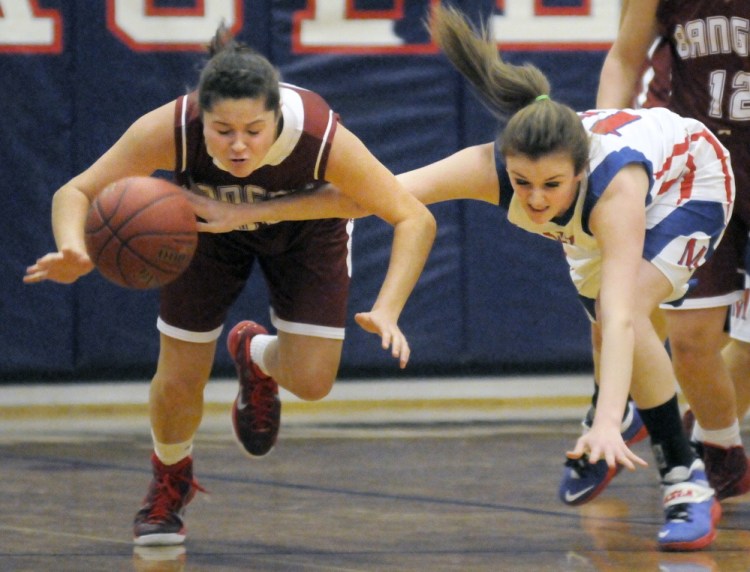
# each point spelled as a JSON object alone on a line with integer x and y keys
{"x": 689, "y": 202}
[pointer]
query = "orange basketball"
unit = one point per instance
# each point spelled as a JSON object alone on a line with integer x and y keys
{"x": 141, "y": 232}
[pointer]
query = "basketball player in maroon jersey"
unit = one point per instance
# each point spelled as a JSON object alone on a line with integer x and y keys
{"x": 243, "y": 136}
{"x": 710, "y": 81}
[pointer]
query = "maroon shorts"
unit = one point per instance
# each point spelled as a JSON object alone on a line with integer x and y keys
{"x": 305, "y": 265}
{"x": 721, "y": 278}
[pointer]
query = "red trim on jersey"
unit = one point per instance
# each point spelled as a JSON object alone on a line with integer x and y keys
{"x": 678, "y": 149}
{"x": 686, "y": 187}
{"x": 722, "y": 156}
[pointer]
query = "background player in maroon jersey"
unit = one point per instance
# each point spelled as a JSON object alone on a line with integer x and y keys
{"x": 710, "y": 81}
{"x": 241, "y": 137}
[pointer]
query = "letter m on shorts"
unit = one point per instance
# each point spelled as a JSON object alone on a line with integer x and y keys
{"x": 690, "y": 258}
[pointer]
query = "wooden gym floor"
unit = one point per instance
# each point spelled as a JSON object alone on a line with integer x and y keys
{"x": 414, "y": 493}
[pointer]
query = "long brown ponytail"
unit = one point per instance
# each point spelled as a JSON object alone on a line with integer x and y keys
{"x": 537, "y": 125}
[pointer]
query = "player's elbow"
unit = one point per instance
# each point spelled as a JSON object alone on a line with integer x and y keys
{"x": 429, "y": 224}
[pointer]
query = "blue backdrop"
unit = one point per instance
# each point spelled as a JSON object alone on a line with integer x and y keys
{"x": 76, "y": 73}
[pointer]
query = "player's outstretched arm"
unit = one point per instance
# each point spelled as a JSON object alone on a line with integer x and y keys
{"x": 467, "y": 174}
{"x": 64, "y": 267}
{"x": 71, "y": 261}
{"x": 359, "y": 175}
{"x": 325, "y": 202}
{"x": 147, "y": 146}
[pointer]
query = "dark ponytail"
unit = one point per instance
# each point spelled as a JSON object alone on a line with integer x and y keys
{"x": 236, "y": 71}
{"x": 536, "y": 125}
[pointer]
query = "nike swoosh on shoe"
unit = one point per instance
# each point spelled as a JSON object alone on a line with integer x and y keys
{"x": 570, "y": 497}
{"x": 241, "y": 403}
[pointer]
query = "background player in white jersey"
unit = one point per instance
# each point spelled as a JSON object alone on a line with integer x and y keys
{"x": 242, "y": 136}
{"x": 708, "y": 73}
{"x": 638, "y": 199}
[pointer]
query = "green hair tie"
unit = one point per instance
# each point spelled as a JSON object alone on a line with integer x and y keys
{"x": 541, "y": 97}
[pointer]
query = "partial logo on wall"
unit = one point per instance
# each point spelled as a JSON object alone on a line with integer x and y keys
{"x": 320, "y": 26}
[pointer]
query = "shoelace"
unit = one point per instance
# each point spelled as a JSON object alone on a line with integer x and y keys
{"x": 166, "y": 497}
{"x": 678, "y": 512}
{"x": 263, "y": 399}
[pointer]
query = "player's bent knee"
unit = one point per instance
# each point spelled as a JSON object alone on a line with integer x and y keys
{"x": 312, "y": 389}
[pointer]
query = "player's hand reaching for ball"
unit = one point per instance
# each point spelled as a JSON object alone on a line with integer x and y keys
{"x": 65, "y": 267}
{"x": 391, "y": 335}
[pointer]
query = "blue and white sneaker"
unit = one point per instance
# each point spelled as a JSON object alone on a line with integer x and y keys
{"x": 583, "y": 481}
{"x": 690, "y": 508}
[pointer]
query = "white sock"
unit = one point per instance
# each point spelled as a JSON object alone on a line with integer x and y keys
{"x": 259, "y": 346}
{"x": 728, "y": 437}
{"x": 171, "y": 454}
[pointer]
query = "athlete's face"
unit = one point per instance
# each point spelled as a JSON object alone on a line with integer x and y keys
{"x": 546, "y": 187}
{"x": 239, "y": 133}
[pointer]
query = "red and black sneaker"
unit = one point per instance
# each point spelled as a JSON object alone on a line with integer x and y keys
{"x": 727, "y": 468}
{"x": 256, "y": 413}
{"x": 159, "y": 521}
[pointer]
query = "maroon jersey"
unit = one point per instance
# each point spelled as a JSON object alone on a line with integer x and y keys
{"x": 305, "y": 263}
{"x": 296, "y": 161}
{"x": 656, "y": 78}
{"x": 711, "y": 67}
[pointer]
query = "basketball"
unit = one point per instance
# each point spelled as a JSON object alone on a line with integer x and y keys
{"x": 141, "y": 232}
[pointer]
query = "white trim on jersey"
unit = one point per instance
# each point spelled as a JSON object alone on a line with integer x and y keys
{"x": 306, "y": 329}
{"x": 187, "y": 335}
{"x": 183, "y": 128}
{"x": 350, "y": 232}
{"x": 701, "y": 303}
{"x": 323, "y": 146}
{"x": 293, "y": 111}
